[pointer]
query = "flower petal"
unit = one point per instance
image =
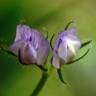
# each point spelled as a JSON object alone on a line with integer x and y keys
{"x": 43, "y": 52}
{"x": 22, "y": 32}
{"x": 41, "y": 46}
{"x": 62, "y": 51}
{"x": 56, "y": 62}
{"x": 16, "y": 46}
{"x": 30, "y": 45}
{"x": 66, "y": 47}
{"x": 28, "y": 54}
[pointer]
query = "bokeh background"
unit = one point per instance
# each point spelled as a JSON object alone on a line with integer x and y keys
{"x": 19, "y": 80}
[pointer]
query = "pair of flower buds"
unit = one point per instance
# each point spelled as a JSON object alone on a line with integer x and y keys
{"x": 33, "y": 48}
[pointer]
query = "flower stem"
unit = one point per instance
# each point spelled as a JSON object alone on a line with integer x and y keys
{"x": 40, "y": 84}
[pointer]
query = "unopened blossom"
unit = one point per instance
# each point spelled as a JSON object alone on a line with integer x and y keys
{"x": 30, "y": 45}
{"x": 66, "y": 47}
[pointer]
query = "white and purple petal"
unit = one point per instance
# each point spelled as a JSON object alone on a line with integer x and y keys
{"x": 66, "y": 47}
{"x": 33, "y": 47}
{"x": 22, "y": 32}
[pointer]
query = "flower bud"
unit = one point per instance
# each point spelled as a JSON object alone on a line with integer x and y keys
{"x": 30, "y": 45}
{"x": 66, "y": 47}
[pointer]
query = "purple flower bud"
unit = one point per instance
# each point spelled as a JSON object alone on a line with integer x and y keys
{"x": 66, "y": 47}
{"x": 30, "y": 45}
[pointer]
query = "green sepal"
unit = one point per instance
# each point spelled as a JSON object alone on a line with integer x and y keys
{"x": 60, "y": 76}
{"x": 85, "y": 43}
{"x": 79, "y": 57}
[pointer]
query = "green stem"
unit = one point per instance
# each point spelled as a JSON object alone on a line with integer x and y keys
{"x": 40, "y": 84}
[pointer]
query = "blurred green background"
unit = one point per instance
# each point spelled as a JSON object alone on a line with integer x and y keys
{"x": 19, "y": 80}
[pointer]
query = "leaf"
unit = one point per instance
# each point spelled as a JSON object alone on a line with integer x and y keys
{"x": 60, "y": 76}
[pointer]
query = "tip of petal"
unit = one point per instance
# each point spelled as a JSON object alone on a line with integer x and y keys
{"x": 56, "y": 62}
